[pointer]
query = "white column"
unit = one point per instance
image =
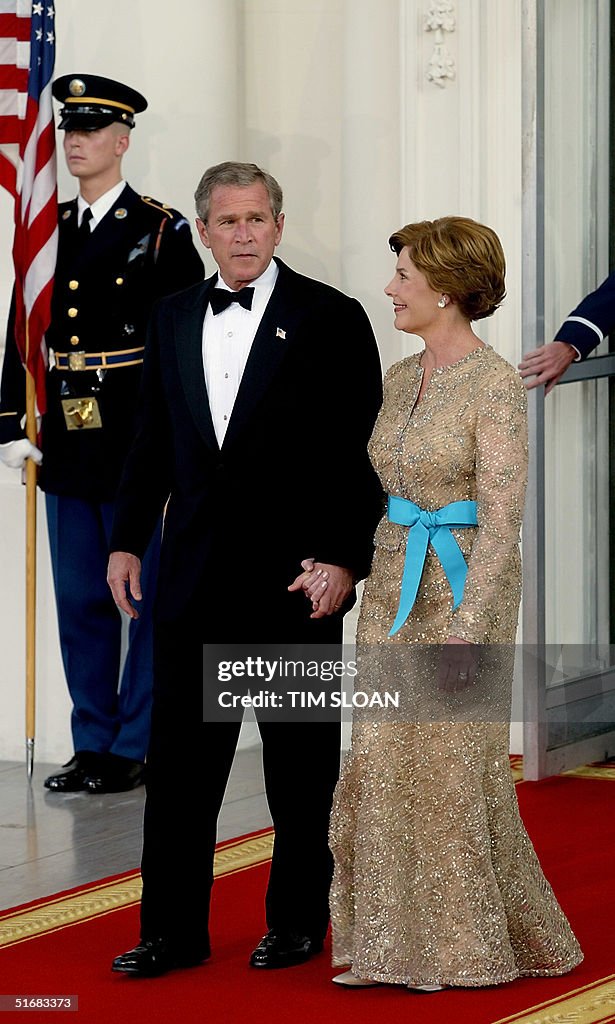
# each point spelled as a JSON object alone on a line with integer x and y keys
{"x": 183, "y": 57}
{"x": 370, "y": 169}
{"x": 292, "y": 53}
{"x": 460, "y": 128}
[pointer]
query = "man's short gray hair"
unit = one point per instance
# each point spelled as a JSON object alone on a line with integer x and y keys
{"x": 237, "y": 174}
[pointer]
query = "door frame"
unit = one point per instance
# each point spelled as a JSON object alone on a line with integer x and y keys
{"x": 539, "y": 699}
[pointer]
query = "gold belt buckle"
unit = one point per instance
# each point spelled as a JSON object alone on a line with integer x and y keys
{"x": 76, "y": 360}
{"x": 81, "y": 413}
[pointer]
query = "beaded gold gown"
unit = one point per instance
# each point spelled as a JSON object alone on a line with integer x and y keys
{"x": 436, "y": 881}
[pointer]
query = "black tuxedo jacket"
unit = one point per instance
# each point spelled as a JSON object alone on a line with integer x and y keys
{"x": 292, "y": 479}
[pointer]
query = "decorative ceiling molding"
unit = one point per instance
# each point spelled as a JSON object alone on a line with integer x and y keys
{"x": 440, "y": 19}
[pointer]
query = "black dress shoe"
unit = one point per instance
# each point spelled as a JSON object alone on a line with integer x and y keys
{"x": 74, "y": 775}
{"x": 153, "y": 957}
{"x": 116, "y": 774}
{"x": 284, "y": 949}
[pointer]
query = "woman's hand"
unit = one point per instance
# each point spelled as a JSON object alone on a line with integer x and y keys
{"x": 326, "y": 586}
{"x": 458, "y": 664}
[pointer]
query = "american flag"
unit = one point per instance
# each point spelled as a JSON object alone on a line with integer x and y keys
{"x": 28, "y": 169}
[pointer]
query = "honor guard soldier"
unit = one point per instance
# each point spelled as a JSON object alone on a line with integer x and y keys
{"x": 117, "y": 253}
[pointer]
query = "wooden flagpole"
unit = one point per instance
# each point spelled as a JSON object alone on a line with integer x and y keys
{"x": 30, "y": 569}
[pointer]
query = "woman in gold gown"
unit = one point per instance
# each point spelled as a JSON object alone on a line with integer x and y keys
{"x": 436, "y": 881}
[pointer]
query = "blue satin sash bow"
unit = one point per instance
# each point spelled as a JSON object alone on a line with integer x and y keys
{"x": 430, "y": 528}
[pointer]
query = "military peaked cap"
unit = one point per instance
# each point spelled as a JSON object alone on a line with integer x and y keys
{"x": 92, "y": 102}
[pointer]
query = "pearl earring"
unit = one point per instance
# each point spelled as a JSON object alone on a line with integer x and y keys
{"x": 442, "y": 303}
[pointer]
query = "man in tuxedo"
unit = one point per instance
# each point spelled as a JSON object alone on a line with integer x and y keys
{"x": 260, "y": 390}
{"x": 117, "y": 253}
{"x": 581, "y": 332}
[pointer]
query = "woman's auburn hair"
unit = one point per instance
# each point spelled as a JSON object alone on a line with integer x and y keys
{"x": 460, "y": 258}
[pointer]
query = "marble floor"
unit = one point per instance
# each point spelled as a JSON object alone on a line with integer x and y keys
{"x": 50, "y": 842}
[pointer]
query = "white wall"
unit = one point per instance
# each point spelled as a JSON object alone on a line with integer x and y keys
{"x": 332, "y": 97}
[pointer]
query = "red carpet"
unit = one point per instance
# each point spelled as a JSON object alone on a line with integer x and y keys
{"x": 63, "y": 946}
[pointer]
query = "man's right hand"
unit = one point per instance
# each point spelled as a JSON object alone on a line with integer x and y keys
{"x": 545, "y": 365}
{"x": 14, "y": 453}
{"x": 123, "y": 569}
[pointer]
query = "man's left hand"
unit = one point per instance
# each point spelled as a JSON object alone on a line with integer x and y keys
{"x": 326, "y": 586}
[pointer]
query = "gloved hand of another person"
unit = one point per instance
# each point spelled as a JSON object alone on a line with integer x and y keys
{"x": 14, "y": 453}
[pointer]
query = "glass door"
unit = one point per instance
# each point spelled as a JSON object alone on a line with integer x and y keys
{"x": 568, "y": 548}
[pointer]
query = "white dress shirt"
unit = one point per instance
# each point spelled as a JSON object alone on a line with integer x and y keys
{"x": 227, "y": 340}
{"x": 101, "y": 206}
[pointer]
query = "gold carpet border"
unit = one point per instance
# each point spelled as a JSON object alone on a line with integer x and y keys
{"x": 592, "y": 1004}
{"x": 594, "y": 771}
{"x": 108, "y": 897}
{"x": 588, "y": 771}
{"x": 516, "y": 767}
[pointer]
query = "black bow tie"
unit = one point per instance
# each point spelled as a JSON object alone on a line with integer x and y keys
{"x": 220, "y": 298}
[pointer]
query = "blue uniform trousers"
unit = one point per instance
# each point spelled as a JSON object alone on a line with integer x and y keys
{"x": 111, "y": 701}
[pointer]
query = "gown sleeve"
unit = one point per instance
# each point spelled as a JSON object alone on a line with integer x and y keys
{"x": 501, "y": 477}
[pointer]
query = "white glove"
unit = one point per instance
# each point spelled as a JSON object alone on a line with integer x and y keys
{"x": 14, "y": 453}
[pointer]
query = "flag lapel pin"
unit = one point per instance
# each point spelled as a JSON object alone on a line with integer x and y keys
{"x": 279, "y": 333}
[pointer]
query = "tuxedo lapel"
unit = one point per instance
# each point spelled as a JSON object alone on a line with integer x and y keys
{"x": 269, "y": 348}
{"x": 190, "y": 315}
